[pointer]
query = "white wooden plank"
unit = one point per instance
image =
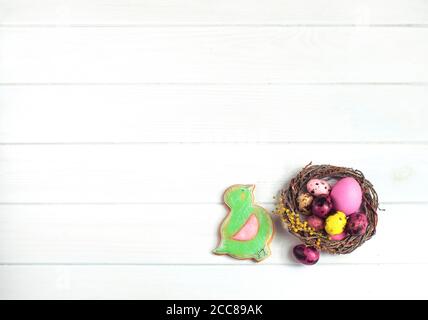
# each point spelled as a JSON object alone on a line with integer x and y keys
{"x": 212, "y": 55}
{"x": 172, "y": 234}
{"x": 212, "y": 282}
{"x": 212, "y": 11}
{"x": 195, "y": 173}
{"x": 218, "y": 113}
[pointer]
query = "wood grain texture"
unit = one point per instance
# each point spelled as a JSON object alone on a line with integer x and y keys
{"x": 213, "y": 55}
{"x": 210, "y": 282}
{"x": 286, "y": 12}
{"x": 170, "y": 234}
{"x": 214, "y": 113}
{"x": 195, "y": 173}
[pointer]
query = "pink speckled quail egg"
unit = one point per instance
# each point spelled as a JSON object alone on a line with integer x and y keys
{"x": 322, "y": 206}
{"x": 305, "y": 203}
{"x": 318, "y": 187}
{"x": 339, "y": 237}
{"x": 357, "y": 224}
{"x": 316, "y": 223}
{"x": 347, "y": 196}
{"x": 306, "y": 255}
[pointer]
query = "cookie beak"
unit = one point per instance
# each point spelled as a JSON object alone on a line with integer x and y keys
{"x": 250, "y": 187}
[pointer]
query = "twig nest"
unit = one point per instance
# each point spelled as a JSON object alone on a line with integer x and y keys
{"x": 350, "y": 203}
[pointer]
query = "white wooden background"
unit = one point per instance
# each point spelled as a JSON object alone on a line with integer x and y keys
{"x": 121, "y": 122}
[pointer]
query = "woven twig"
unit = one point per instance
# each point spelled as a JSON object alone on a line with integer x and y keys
{"x": 288, "y": 198}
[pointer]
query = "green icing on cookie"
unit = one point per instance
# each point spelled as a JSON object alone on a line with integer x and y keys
{"x": 248, "y": 229}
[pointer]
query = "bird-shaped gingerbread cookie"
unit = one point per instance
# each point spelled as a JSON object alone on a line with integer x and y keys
{"x": 247, "y": 230}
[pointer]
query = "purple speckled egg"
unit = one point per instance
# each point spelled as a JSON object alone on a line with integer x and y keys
{"x": 306, "y": 255}
{"x": 339, "y": 237}
{"x": 357, "y": 224}
{"x": 322, "y": 206}
{"x": 347, "y": 196}
{"x": 316, "y": 223}
{"x": 318, "y": 187}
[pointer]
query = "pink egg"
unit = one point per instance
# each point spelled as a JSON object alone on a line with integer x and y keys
{"x": 357, "y": 224}
{"x": 347, "y": 196}
{"x": 318, "y": 187}
{"x": 316, "y": 223}
{"x": 339, "y": 237}
{"x": 306, "y": 255}
{"x": 322, "y": 206}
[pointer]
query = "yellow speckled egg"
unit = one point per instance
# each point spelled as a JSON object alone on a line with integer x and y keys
{"x": 336, "y": 223}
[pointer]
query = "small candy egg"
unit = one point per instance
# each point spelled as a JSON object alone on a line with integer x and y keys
{"x": 339, "y": 237}
{"x": 306, "y": 255}
{"x": 335, "y": 224}
{"x": 318, "y": 187}
{"x": 305, "y": 201}
{"x": 357, "y": 224}
{"x": 316, "y": 223}
{"x": 347, "y": 196}
{"x": 322, "y": 206}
